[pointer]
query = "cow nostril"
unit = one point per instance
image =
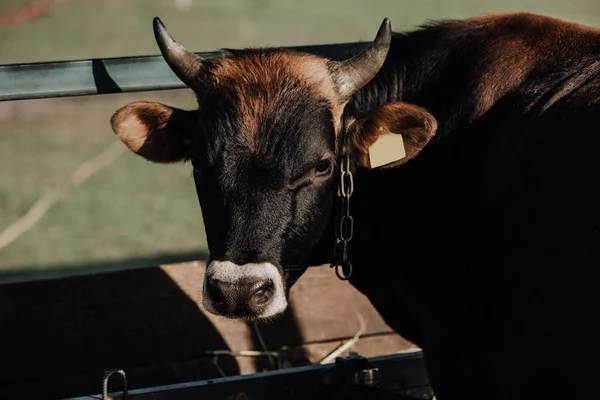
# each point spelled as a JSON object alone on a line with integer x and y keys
{"x": 262, "y": 294}
{"x": 214, "y": 291}
{"x": 260, "y": 297}
{"x": 244, "y": 297}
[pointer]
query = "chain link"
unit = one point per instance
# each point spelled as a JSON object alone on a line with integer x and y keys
{"x": 344, "y": 227}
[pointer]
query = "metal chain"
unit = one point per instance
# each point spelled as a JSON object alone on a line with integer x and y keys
{"x": 344, "y": 227}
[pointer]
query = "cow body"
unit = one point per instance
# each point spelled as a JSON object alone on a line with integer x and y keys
{"x": 482, "y": 246}
{"x": 485, "y": 249}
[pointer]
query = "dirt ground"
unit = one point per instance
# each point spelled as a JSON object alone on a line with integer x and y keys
{"x": 133, "y": 213}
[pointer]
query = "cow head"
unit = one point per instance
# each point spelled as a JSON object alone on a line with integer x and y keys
{"x": 264, "y": 149}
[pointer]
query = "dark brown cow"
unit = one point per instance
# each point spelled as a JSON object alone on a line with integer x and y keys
{"x": 481, "y": 245}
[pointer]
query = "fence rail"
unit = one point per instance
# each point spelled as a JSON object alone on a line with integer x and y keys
{"x": 399, "y": 376}
{"x": 116, "y": 75}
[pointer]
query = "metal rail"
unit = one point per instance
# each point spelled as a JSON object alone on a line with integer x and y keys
{"x": 401, "y": 374}
{"x": 116, "y": 75}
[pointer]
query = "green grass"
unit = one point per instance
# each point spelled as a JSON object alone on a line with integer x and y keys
{"x": 134, "y": 212}
{"x": 132, "y": 209}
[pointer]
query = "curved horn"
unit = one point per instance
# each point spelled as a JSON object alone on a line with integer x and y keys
{"x": 356, "y": 72}
{"x": 185, "y": 64}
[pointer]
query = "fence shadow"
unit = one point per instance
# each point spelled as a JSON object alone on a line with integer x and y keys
{"x": 58, "y": 336}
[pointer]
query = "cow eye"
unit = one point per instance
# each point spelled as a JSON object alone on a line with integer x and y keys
{"x": 323, "y": 166}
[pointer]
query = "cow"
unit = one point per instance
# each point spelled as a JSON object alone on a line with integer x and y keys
{"x": 479, "y": 242}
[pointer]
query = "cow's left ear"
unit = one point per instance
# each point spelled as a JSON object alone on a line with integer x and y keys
{"x": 391, "y": 135}
{"x": 155, "y": 131}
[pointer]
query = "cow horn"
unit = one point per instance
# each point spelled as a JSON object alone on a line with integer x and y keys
{"x": 356, "y": 72}
{"x": 184, "y": 63}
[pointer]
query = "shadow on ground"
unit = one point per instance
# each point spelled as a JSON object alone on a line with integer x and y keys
{"x": 64, "y": 333}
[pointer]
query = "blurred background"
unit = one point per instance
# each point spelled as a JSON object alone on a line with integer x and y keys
{"x": 126, "y": 212}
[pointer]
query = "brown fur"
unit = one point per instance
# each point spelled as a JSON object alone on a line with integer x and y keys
{"x": 541, "y": 29}
{"x": 458, "y": 69}
{"x": 268, "y": 71}
{"x": 512, "y": 61}
{"x": 415, "y": 124}
{"x": 522, "y": 41}
{"x": 154, "y": 131}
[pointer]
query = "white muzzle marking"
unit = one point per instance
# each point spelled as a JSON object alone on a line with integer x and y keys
{"x": 228, "y": 272}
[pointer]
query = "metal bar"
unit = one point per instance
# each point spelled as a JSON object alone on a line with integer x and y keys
{"x": 401, "y": 373}
{"x": 115, "y": 75}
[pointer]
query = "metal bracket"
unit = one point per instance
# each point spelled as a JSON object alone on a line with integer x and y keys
{"x": 107, "y": 375}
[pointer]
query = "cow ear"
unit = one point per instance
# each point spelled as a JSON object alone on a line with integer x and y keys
{"x": 391, "y": 135}
{"x": 157, "y": 132}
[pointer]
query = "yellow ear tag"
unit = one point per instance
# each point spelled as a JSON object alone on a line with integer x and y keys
{"x": 388, "y": 148}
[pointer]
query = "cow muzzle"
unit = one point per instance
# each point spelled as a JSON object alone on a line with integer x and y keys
{"x": 251, "y": 291}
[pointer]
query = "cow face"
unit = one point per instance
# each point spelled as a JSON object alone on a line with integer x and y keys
{"x": 264, "y": 148}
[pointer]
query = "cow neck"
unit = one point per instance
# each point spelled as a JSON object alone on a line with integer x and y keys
{"x": 421, "y": 68}
{"x": 406, "y": 57}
